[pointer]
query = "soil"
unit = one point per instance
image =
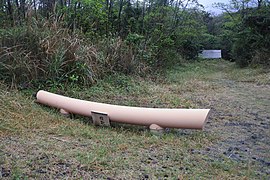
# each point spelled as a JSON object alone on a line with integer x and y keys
{"x": 241, "y": 118}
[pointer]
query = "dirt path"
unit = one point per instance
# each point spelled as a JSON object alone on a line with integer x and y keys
{"x": 241, "y": 118}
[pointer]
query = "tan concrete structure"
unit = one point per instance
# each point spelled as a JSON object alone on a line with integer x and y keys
{"x": 155, "y": 117}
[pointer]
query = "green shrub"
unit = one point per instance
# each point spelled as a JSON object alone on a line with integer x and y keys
{"x": 252, "y": 44}
{"x": 242, "y": 49}
{"x": 41, "y": 55}
{"x": 117, "y": 55}
{"x": 46, "y": 55}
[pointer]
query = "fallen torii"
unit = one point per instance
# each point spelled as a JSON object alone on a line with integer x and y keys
{"x": 154, "y": 118}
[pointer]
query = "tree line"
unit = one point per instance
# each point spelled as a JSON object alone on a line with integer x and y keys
{"x": 129, "y": 33}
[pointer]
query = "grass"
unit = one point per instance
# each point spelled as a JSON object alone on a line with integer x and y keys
{"x": 259, "y": 76}
{"x": 37, "y": 142}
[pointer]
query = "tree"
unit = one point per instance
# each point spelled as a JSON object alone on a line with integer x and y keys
{"x": 248, "y": 26}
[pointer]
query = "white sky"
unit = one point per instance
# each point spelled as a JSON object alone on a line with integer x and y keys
{"x": 208, "y": 5}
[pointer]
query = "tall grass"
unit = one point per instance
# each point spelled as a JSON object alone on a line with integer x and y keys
{"x": 48, "y": 54}
{"x": 31, "y": 55}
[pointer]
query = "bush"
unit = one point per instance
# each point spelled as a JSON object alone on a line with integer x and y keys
{"x": 252, "y": 45}
{"x": 188, "y": 45}
{"x": 117, "y": 55}
{"x": 261, "y": 58}
{"x": 242, "y": 49}
{"x": 42, "y": 55}
{"x": 46, "y": 55}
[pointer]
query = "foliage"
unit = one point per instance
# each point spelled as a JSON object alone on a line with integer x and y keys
{"x": 52, "y": 41}
{"x": 32, "y": 55}
{"x": 252, "y": 41}
{"x": 53, "y": 57}
{"x": 78, "y": 41}
{"x": 243, "y": 31}
{"x": 117, "y": 55}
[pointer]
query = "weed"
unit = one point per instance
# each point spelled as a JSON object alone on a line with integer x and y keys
{"x": 37, "y": 55}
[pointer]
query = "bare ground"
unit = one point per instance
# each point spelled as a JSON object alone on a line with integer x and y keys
{"x": 241, "y": 117}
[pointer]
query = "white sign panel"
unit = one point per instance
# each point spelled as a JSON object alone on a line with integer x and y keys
{"x": 211, "y": 54}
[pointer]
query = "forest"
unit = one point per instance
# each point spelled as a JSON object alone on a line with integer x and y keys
{"x": 80, "y": 41}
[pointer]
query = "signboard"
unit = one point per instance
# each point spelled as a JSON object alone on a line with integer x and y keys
{"x": 211, "y": 54}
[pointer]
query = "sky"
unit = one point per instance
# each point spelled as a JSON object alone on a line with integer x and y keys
{"x": 208, "y": 5}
